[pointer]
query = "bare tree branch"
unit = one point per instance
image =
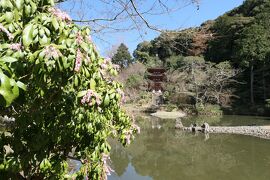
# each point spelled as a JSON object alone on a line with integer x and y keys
{"x": 101, "y": 19}
{"x": 144, "y": 20}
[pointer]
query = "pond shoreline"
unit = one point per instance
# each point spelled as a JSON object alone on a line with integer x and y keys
{"x": 256, "y": 131}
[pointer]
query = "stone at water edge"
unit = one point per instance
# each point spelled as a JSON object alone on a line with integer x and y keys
{"x": 168, "y": 115}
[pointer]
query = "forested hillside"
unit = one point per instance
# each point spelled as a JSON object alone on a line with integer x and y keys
{"x": 240, "y": 38}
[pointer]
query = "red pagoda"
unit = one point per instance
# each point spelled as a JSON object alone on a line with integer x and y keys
{"x": 157, "y": 76}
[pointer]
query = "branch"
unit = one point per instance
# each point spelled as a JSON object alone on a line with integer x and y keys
{"x": 101, "y": 19}
{"x": 144, "y": 20}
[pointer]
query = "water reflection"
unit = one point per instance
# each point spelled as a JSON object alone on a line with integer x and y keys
{"x": 165, "y": 153}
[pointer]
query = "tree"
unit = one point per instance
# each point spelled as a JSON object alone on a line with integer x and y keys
{"x": 142, "y": 52}
{"x": 207, "y": 82}
{"x": 253, "y": 47}
{"x": 122, "y": 56}
{"x": 58, "y": 89}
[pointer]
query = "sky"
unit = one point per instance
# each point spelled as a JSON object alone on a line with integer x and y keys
{"x": 189, "y": 16}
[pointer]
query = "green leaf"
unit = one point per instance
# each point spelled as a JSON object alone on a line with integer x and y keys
{"x": 84, "y": 46}
{"x": 65, "y": 63}
{"x": 5, "y": 89}
{"x": 55, "y": 24}
{"x": 4, "y": 45}
{"x": 5, "y": 82}
{"x": 76, "y": 81}
{"x": 34, "y": 6}
{"x": 35, "y": 32}
{"x": 60, "y": 65}
{"x": 92, "y": 84}
{"x": 5, "y": 67}
{"x": 27, "y": 35}
{"x": 9, "y": 16}
{"x": 15, "y": 91}
{"x": 27, "y": 10}
{"x": 19, "y": 4}
{"x": 8, "y": 59}
{"x": 87, "y": 74}
{"x": 21, "y": 85}
{"x": 106, "y": 100}
{"x": 81, "y": 93}
{"x": 44, "y": 40}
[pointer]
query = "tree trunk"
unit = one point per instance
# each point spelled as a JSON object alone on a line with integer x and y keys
{"x": 264, "y": 89}
{"x": 195, "y": 83}
{"x": 251, "y": 82}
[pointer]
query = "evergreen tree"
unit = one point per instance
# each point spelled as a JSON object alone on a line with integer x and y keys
{"x": 253, "y": 47}
{"x": 122, "y": 56}
{"x": 142, "y": 52}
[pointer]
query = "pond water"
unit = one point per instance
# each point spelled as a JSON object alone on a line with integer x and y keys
{"x": 161, "y": 152}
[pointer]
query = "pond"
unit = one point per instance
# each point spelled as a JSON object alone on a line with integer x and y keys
{"x": 161, "y": 152}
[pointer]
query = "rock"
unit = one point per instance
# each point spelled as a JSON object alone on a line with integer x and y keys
{"x": 178, "y": 124}
{"x": 205, "y": 127}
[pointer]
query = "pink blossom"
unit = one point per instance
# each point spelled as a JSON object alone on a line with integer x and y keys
{"x": 98, "y": 101}
{"x": 60, "y": 14}
{"x": 105, "y": 63}
{"x": 16, "y": 46}
{"x": 79, "y": 38}
{"x": 78, "y": 62}
{"x": 128, "y": 140}
{"x": 87, "y": 98}
{"x": 107, "y": 60}
{"x": 3, "y": 29}
{"x": 106, "y": 168}
{"x": 103, "y": 66}
{"x": 51, "y": 51}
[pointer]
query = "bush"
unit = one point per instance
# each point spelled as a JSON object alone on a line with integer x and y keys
{"x": 209, "y": 110}
{"x": 56, "y": 86}
{"x": 134, "y": 81}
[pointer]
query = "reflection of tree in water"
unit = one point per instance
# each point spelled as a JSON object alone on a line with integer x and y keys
{"x": 212, "y": 121}
{"x": 167, "y": 154}
{"x": 119, "y": 158}
{"x": 226, "y": 120}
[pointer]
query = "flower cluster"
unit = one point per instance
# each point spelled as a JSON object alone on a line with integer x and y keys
{"x": 51, "y": 51}
{"x": 60, "y": 14}
{"x": 128, "y": 136}
{"x": 105, "y": 63}
{"x": 87, "y": 98}
{"x": 106, "y": 168}
{"x": 122, "y": 94}
{"x": 79, "y": 38}
{"x": 78, "y": 62}
{"x": 3, "y": 29}
{"x": 15, "y": 46}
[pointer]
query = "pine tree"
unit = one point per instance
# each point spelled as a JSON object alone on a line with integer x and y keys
{"x": 122, "y": 56}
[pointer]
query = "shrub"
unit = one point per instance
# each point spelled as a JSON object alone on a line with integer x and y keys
{"x": 57, "y": 87}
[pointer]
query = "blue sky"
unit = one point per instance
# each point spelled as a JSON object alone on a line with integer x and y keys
{"x": 186, "y": 17}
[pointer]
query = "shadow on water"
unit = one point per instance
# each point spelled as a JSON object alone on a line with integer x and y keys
{"x": 160, "y": 152}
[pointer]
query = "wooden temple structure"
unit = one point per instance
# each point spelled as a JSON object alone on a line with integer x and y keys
{"x": 157, "y": 77}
